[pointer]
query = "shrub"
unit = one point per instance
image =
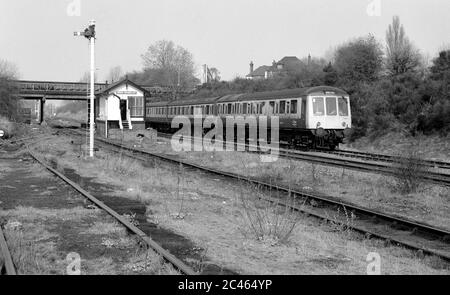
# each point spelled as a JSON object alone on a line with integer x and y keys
{"x": 408, "y": 171}
{"x": 268, "y": 220}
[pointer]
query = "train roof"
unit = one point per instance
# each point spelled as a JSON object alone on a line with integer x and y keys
{"x": 277, "y": 94}
{"x": 206, "y": 100}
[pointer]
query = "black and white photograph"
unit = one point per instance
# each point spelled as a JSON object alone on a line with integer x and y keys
{"x": 224, "y": 145}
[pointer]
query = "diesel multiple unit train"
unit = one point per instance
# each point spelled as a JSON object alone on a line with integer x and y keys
{"x": 313, "y": 117}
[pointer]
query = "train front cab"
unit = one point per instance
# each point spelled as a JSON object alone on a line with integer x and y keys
{"x": 328, "y": 118}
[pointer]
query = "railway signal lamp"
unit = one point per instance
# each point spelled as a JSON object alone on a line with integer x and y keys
{"x": 89, "y": 33}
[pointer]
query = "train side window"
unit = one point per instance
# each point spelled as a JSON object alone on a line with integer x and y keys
{"x": 282, "y": 106}
{"x": 276, "y": 107}
{"x": 288, "y": 106}
{"x": 229, "y": 108}
{"x": 271, "y": 107}
{"x": 343, "y": 106}
{"x": 244, "y": 111}
{"x": 331, "y": 106}
{"x": 318, "y": 106}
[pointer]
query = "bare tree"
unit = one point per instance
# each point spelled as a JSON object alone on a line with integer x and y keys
{"x": 401, "y": 55}
{"x": 115, "y": 74}
{"x": 86, "y": 78}
{"x": 8, "y": 70}
{"x": 8, "y": 102}
{"x": 214, "y": 74}
{"x": 173, "y": 64}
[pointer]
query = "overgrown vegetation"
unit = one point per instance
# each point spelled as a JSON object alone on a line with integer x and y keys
{"x": 409, "y": 169}
{"x": 8, "y": 103}
{"x": 268, "y": 220}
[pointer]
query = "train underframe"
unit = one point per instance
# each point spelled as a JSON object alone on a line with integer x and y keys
{"x": 311, "y": 138}
{"x": 289, "y": 138}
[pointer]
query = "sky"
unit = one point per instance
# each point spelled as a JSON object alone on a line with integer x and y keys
{"x": 37, "y": 35}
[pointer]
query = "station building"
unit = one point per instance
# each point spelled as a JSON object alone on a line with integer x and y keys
{"x": 120, "y": 106}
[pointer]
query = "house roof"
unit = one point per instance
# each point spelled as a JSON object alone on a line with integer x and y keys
{"x": 109, "y": 88}
{"x": 290, "y": 64}
{"x": 260, "y": 71}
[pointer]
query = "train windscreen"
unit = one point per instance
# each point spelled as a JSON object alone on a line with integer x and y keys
{"x": 343, "y": 106}
{"x": 331, "y": 106}
{"x": 318, "y": 107}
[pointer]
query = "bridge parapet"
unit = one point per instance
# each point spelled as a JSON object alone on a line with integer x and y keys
{"x": 50, "y": 88}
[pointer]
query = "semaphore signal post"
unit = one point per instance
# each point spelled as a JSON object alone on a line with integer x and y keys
{"x": 89, "y": 33}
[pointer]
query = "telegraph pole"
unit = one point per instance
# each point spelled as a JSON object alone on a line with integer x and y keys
{"x": 89, "y": 33}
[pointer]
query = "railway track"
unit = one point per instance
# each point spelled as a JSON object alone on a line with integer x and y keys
{"x": 6, "y": 263}
{"x": 420, "y": 237}
{"x": 177, "y": 263}
{"x": 387, "y": 168}
{"x": 384, "y": 158}
{"x": 429, "y": 176}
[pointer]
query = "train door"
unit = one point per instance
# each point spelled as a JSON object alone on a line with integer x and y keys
{"x": 302, "y": 111}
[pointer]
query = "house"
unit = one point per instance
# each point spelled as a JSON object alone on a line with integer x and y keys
{"x": 120, "y": 106}
{"x": 286, "y": 65}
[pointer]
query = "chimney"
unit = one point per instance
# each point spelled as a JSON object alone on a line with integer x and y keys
{"x": 205, "y": 74}
{"x": 251, "y": 67}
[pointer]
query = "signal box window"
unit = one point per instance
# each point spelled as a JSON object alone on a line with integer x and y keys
{"x": 318, "y": 107}
{"x": 136, "y": 105}
{"x": 343, "y": 106}
{"x": 331, "y": 106}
